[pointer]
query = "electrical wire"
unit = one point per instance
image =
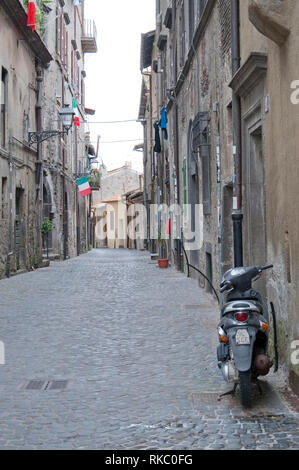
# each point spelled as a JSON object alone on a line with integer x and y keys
{"x": 116, "y": 141}
{"x": 113, "y": 122}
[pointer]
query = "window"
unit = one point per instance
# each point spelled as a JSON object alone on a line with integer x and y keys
{"x": 201, "y": 142}
{"x": 4, "y": 205}
{"x": 112, "y": 219}
{"x": 61, "y": 38}
{"x": 164, "y": 75}
{"x": 75, "y": 77}
{"x": 201, "y": 6}
{"x": 3, "y": 103}
{"x": 191, "y": 21}
{"x": 158, "y": 6}
{"x": 182, "y": 34}
{"x": 82, "y": 93}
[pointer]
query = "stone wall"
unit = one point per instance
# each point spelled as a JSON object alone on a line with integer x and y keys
{"x": 65, "y": 159}
{"x": 17, "y": 60}
{"x": 280, "y": 142}
{"x": 203, "y": 74}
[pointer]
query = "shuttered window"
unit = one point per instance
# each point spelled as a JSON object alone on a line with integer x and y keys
{"x": 182, "y": 33}
{"x": 191, "y": 21}
{"x": 62, "y": 38}
{"x": 201, "y": 143}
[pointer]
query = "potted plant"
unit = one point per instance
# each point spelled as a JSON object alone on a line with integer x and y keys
{"x": 162, "y": 260}
{"x": 47, "y": 227}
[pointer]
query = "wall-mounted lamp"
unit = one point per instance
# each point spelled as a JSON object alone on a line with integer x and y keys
{"x": 67, "y": 115}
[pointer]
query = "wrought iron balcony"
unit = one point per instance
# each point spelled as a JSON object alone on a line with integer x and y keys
{"x": 94, "y": 179}
{"x": 89, "y": 37}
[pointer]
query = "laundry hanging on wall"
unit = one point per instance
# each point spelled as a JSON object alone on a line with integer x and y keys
{"x": 163, "y": 122}
{"x": 157, "y": 147}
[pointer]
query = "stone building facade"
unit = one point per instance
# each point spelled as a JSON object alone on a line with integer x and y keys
{"x": 23, "y": 55}
{"x": 226, "y": 73}
{"x": 42, "y": 71}
{"x": 189, "y": 76}
{"x": 68, "y": 36}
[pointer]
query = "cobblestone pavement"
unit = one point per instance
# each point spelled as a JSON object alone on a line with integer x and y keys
{"x": 137, "y": 346}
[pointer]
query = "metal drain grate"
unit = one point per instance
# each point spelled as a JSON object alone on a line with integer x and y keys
{"x": 36, "y": 385}
{"x": 45, "y": 385}
{"x": 57, "y": 385}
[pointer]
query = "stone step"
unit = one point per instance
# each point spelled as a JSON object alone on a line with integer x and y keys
{"x": 52, "y": 256}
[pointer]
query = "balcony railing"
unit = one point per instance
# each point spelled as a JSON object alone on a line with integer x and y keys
{"x": 89, "y": 37}
{"x": 93, "y": 176}
{"x": 94, "y": 180}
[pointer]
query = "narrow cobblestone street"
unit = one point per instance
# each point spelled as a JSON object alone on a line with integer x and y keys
{"x": 137, "y": 347}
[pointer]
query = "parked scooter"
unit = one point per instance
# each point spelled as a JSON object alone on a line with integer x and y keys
{"x": 243, "y": 331}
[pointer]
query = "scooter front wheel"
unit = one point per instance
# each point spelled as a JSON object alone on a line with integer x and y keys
{"x": 245, "y": 388}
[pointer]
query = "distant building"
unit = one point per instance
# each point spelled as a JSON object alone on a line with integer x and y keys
{"x": 110, "y": 208}
{"x": 116, "y": 182}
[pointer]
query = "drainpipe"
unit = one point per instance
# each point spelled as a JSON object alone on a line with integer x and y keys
{"x": 237, "y": 215}
{"x": 219, "y": 203}
{"x": 39, "y": 162}
{"x": 64, "y": 214}
{"x": 148, "y": 74}
{"x": 10, "y": 211}
{"x": 178, "y": 243}
{"x": 76, "y": 198}
{"x": 145, "y": 148}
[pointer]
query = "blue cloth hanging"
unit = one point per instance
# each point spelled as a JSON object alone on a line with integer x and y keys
{"x": 163, "y": 122}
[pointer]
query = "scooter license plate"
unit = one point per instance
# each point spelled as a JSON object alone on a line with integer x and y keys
{"x": 242, "y": 337}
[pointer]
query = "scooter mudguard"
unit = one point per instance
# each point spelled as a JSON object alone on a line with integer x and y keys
{"x": 242, "y": 352}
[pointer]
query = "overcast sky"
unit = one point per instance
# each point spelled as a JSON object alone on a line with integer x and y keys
{"x": 113, "y": 82}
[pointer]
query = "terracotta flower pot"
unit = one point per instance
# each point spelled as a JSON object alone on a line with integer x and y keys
{"x": 163, "y": 263}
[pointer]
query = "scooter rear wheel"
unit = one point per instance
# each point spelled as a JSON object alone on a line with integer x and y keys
{"x": 245, "y": 388}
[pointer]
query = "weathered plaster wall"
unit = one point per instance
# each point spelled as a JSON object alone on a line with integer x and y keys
{"x": 281, "y": 171}
{"x": 17, "y": 59}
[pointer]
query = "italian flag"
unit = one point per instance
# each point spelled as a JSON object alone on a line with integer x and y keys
{"x": 77, "y": 118}
{"x": 83, "y": 186}
{"x": 31, "y": 19}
